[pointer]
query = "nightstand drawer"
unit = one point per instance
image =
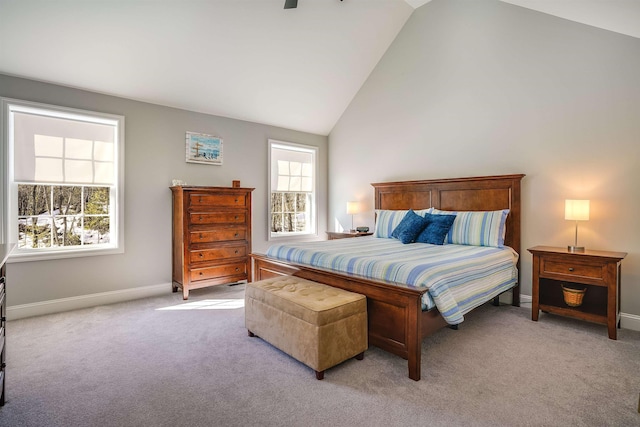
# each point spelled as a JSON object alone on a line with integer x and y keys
{"x": 570, "y": 269}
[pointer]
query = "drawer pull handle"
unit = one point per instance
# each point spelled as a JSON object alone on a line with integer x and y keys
{"x": 236, "y": 251}
{"x": 200, "y": 236}
{"x": 237, "y": 269}
{"x": 201, "y": 273}
{"x": 200, "y": 255}
{"x": 236, "y": 235}
{"x": 236, "y": 216}
{"x": 570, "y": 268}
{"x": 236, "y": 200}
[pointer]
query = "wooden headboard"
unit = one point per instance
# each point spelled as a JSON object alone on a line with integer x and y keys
{"x": 483, "y": 193}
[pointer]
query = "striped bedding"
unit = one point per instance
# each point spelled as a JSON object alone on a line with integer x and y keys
{"x": 458, "y": 277}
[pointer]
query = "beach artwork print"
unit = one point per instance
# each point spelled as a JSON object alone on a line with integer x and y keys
{"x": 204, "y": 149}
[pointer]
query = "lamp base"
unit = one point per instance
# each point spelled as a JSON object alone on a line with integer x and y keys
{"x": 575, "y": 248}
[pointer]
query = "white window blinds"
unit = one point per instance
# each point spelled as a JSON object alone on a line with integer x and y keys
{"x": 67, "y": 149}
{"x": 294, "y": 170}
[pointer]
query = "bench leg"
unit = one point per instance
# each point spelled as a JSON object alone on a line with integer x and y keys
{"x": 319, "y": 375}
{"x": 360, "y": 356}
{"x": 251, "y": 334}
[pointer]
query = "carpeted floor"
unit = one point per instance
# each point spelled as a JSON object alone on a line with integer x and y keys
{"x": 165, "y": 362}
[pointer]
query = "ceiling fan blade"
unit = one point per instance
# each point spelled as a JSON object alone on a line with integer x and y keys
{"x": 290, "y": 4}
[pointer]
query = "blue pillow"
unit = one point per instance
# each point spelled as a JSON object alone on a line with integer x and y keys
{"x": 437, "y": 228}
{"x": 388, "y": 220}
{"x": 411, "y": 225}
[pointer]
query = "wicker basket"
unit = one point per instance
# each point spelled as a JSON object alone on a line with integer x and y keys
{"x": 573, "y": 297}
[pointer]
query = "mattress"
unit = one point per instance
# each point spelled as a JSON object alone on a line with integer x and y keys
{"x": 457, "y": 278}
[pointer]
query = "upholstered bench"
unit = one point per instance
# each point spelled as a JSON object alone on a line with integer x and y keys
{"x": 319, "y": 325}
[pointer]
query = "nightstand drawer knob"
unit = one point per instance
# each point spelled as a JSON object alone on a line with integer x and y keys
{"x": 570, "y": 268}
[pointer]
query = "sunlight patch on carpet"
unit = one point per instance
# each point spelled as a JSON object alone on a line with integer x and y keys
{"x": 208, "y": 304}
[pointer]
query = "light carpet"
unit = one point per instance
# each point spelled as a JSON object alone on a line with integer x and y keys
{"x": 166, "y": 362}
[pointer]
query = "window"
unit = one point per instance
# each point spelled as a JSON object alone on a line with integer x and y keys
{"x": 62, "y": 181}
{"x": 292, "y": 171}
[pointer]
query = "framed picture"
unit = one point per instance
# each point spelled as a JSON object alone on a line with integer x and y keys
{"x": 204, "y": 149}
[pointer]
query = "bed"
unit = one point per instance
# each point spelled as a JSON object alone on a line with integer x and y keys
{"x": 397, "y": 318}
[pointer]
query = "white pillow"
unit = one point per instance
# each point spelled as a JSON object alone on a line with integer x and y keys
{"x": 477, "y": 228}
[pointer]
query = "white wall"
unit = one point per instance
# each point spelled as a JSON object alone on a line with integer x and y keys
{"x": 154, "y": 155}
{"x": 472, "y": 88}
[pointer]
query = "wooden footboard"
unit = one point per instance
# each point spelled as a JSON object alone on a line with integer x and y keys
{"x": 396, "y": 322}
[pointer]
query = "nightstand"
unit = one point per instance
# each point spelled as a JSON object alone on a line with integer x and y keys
{"x": 332, "y": 235}
{"x": 596, "y": 271}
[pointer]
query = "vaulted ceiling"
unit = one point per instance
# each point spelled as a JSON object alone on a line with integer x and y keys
{"x": 245, "y": 59}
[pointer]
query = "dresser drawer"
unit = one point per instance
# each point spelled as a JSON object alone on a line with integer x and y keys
{"x": 239, "y": 268}
{"x": 217, "y": 254}
{"x": 214, "y": 201}
{"x": 218, "y": 235}
{"x": 205, "y": 218}
{"x": 570, "y": 269}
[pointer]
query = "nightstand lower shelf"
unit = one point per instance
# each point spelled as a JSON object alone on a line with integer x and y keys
{"x": 592, "y": 309}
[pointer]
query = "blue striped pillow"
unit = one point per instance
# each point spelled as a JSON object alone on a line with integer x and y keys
{"x": 388, "y": 220}
{"x": 481, "y": 228}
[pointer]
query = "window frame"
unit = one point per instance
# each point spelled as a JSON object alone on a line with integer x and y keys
{"x": 9, "y": 188}
{"x": 313, "y": 150}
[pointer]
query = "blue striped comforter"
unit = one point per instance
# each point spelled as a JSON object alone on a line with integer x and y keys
{"x": 458, "y": 277}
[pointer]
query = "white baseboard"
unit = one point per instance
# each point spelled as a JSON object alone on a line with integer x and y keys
{"x": 630, "y": 321}
{"x": 15, "y": 312}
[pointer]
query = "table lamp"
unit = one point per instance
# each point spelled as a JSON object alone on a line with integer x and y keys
{"x": 576, "y": 210}
{"x": 352, "y": 208}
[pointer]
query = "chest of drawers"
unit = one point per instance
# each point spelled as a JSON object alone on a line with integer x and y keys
{"x": 5, "y": 250}
{"x": 211, "y": 236}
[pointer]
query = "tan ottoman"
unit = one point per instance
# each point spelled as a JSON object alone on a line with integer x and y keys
{"x": 317, "y": 324}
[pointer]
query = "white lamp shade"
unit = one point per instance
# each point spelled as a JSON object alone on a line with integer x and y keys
{"x": 576, "y": 210}
{"x": 353, "y": 208}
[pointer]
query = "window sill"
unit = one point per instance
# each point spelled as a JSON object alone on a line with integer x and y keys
{"x": 294, "y": 236}
{"x": 24, "y": 256}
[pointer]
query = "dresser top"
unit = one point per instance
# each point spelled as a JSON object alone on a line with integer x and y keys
{"x": 586, "y": 252}
{"x": 206, "y": 187}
